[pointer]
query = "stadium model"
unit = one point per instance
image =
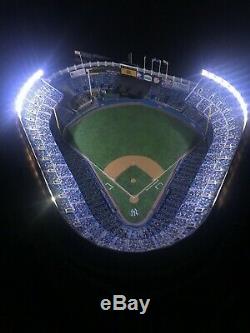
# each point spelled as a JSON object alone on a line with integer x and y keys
{"x": 133, "y": 158}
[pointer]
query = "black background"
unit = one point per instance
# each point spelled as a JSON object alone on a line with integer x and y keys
{"x": 50, "y": 279}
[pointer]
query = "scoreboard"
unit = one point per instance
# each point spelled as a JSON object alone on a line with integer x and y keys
{"x": 128, "y": 71}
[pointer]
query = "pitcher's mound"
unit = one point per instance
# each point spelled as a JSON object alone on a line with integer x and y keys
{"x": 133, "y": 200}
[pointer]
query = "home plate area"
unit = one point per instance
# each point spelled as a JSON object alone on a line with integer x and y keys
{"x": 133, "y": 174}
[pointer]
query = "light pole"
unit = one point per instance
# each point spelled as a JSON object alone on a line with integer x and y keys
{"x": 56, "y": 118}
{"x": 130, "y": 58}
{"x": 90, "y": 89}
{"x": 152, "y": 65}
{"x": 159, "y": 68}
{"x": 144, "y": 64}
{"x": 79, "y": 54}
{"x": 166, "y": 63}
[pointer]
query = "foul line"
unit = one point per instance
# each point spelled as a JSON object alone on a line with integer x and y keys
{"x": 146, "y": 187}
{"x": 112, "y": 179}
{"x": 156, "y": 179}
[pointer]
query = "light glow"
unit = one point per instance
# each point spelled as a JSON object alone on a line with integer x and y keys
{"x": 25, "y": 89}
{"x": 231, "y": 89}
{"x": 53, "y": 199}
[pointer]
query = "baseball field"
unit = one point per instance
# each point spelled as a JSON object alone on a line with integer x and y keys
{"x": 134, "y": 150}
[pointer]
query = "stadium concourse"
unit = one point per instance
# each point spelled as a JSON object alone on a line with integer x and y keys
{"x": 210, "y": 106}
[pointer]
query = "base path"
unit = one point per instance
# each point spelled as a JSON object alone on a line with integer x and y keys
{"x": 118, "y": 166}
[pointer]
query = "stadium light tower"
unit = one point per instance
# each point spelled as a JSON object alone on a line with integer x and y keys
{"x": 25, "y": 89}
{"x": 231, "y": 89}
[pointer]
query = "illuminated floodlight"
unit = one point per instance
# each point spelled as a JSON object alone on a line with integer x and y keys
{"x": 25, "y": 89}
{"x": 231, "y": 89}
{"x": 53, "y": 199}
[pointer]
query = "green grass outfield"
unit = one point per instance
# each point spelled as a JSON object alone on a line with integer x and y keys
{"x": 115, "y": 131}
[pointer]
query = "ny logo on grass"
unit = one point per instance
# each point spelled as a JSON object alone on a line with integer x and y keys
{"x": 134, "y": 212}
